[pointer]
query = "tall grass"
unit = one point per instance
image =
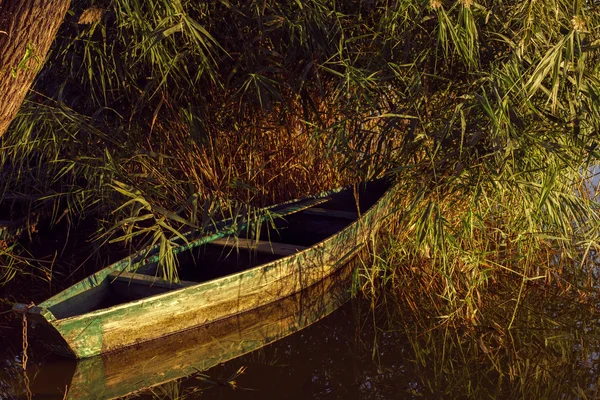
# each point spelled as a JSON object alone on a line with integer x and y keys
{"x": 155, "y": 112}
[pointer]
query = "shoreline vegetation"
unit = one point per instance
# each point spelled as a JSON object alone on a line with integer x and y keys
{"x": 152, "y": 117}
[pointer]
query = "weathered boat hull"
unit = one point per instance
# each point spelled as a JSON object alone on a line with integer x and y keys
{"x": 103, "y": 330}
{"x": 149, "y": 364}
{"x": 157, "y": 362}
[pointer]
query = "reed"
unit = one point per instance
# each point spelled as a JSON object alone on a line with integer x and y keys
{"x": 157, "y": 116}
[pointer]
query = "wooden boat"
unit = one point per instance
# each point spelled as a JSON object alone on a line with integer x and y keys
{"x": 135, "y": 369}
{"x": 226, "y": 270}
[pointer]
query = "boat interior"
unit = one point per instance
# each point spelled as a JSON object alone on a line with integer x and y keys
{"x": 303, "y": 224}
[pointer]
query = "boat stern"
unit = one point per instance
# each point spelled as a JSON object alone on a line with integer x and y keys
{"x": 41, "y": 320}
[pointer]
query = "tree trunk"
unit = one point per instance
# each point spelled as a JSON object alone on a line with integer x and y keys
{"x": 27, "y": 29}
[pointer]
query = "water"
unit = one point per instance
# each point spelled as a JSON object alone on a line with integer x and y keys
{"x": 356, "y": 352}
{"x": 328, "y": 359}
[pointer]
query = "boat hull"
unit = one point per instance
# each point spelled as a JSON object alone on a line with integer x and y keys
{"x": 109, "y": 329}
{"x": 133, "y": 369}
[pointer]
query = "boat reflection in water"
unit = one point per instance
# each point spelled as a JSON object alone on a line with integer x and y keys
{"x": 148, "y": 364}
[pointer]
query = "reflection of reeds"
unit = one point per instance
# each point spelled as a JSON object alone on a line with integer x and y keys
{"x": 551, "y": 350}
{"x": 547, "y": 349}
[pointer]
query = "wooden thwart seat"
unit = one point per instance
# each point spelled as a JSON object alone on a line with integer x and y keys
{"x": 323, "y": 212}
{"x": 260, "y": 246}
{"x": 131, "y": 278}
{"x": 300, "y": 206}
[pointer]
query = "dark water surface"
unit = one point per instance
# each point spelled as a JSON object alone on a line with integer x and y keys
{"x": 330, "y": 359}
{"x": 551, "y": 351}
